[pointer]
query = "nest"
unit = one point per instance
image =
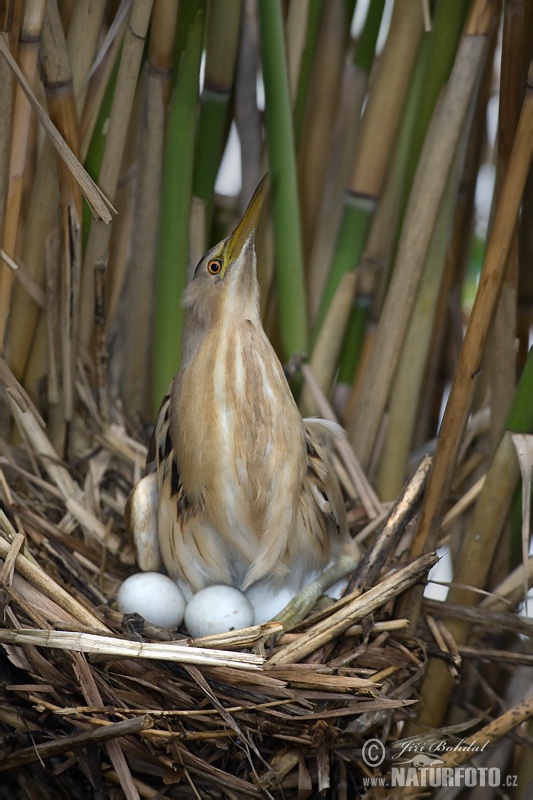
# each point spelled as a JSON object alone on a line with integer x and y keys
{"x": 95, "y": 704}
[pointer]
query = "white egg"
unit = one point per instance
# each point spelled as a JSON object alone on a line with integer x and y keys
{"x": 268, "y": 600}
{"x": 154, "y": 596}
{"x": 217, "y": 609}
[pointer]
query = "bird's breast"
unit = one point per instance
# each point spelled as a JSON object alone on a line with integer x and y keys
{"x": 237, "y": 429}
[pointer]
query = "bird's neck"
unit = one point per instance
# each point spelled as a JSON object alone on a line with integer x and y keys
{"x": 200, "y": 327}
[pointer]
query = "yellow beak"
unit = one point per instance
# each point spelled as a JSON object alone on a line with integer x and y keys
{"x": 248, "y": 223}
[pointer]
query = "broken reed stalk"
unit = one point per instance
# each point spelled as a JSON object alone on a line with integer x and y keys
{"x": 387, "y": 539}
{"x": 111, "y": 646}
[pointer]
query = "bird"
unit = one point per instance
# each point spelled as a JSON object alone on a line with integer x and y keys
{"x": 243, "y": 491}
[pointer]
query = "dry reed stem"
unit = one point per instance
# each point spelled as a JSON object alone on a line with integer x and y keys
{"x": 324, "y": 358}
{"x": 365, "y": 492}
{"x": 38, "y": 578}
{"x": 386, "y": 100}
{"x": 296, "y": 28}
{"x": 99, "y": 76}
{"x": 352, "y": 94}
{"x": 502, "y": 353}
{"x": 440, "y": 149}
{"x": 244, "y": 637}
{"x": 82, "y": 38}
{"x": 511, "y": 589}
{"x": 71, "y": 491}
{"x": 134, "y": 358}
{"x": 17, "y": 394}
{"x": 319, "y": 119}
{"x": 468, "y": 369}
{"x": 75, "y": 742}
{"x": 399, "y": 516}
{"x": 111, "y": 646}
{"x": 114, "y": 750}
{"x": 99, "y": 234}
{"x": 28, "y": 53}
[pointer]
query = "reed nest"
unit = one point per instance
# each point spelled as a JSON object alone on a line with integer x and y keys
{"x": 95, "y": 704}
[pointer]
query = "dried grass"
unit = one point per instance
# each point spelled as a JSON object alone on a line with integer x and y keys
{"x": 256, "y": 713}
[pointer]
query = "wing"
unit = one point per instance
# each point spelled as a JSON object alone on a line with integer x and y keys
{"x": 322, "y": 479}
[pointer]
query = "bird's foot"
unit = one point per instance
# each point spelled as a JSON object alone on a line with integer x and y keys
{"x": 299, "y": 607}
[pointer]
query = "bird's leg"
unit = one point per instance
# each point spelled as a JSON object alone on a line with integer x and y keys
{"x": 141, "y": 522}
{"x": 300, "y": 605}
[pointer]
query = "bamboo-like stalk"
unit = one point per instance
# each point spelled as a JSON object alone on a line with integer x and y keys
{"x": 82, "y": 37}
{"x": 447, "y": 332}
{"x": 308, "y": 16}
{"x": 319, "y": 119}
{"x": 327, "y": 348}
{"x": 447, "y": 22}
{"x": 408, "y": 378}
{"x": 136, "y": 307}
{"x": 57, "y": 79}
{"x": 28, "y": 53}
{"x": 42, "y": 208}
{"x": 464, "y": 382}
{"x": 437, "y": 157}
{"x": 283, "y": 180}
{"x": 502, "y": 352}
{"x": 222, "y": 32}
{"x": 378, "y": 129}
{"x": 297, "y": 31}
{"x": 176, "y": 193}
{"x": 351, "y": 98}
{"x": 6, "y": 91}
{"x": 99, "y": 234}
{"x": 99, "y": 97}
{"x": 433, "y": 64}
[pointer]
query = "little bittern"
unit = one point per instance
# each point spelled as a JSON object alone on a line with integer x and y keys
{"x": 245, "y": 490}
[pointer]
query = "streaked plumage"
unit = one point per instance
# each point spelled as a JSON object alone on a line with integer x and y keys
{"x": 247, "y": 489}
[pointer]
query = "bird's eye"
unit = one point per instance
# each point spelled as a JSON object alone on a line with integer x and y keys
{"x": 214, "y": 266}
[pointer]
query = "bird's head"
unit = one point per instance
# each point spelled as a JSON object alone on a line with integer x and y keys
{"x": 225, "y": 280}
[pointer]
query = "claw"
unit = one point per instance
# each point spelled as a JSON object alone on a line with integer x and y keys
{"x": 300, "y": 605}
